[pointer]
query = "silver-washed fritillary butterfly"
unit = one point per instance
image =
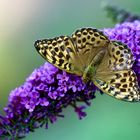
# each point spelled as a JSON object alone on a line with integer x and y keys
{"x": 90, "y": 54}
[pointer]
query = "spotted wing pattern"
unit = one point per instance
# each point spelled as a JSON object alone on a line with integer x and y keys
{"x": 73, "y": 54}
{"x": 121, "y": 56}
{"x": 89, "y": 42}
{"x": 114, "y": 74}
{"x": 122, "y": 85}
{"x": 60, "y": 51}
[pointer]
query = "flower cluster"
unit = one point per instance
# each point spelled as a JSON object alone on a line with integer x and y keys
{"x": 48, "y": 90}
{"x": 41, "y": 99}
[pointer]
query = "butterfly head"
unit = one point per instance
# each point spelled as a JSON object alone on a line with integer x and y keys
{"x": 85, "y": 79}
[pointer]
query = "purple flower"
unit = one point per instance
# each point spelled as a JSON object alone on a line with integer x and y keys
{"x": 73, "y": 86}
{"x": 44, "y": 102}
{"x": 48, "y": 90}
{"x": 53, "y": 94}
{"x": 79, "y": 111}
{"x": 62, "y": 77}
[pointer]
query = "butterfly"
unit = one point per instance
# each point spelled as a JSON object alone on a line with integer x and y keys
{"x": 93, "y": 56}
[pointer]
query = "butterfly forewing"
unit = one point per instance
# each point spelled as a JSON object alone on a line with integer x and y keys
{"x": 89, "y": 42}
{"x": 60, "y": 51}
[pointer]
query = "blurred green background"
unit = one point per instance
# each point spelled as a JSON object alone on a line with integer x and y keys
{"x": 23, "y": 22}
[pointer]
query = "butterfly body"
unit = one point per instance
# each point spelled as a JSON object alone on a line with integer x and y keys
{"x": 89, "y": 74}
{"x": 90, "y": 54}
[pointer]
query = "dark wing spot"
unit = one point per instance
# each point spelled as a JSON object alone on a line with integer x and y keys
{"x": 112, "y": 81}
{"x": 116, "y": 93}
{"x": 61, "y": 61}
{"x": 98, "y": 42}
{"x": 131, "y": 93}
{"x": 130, "y": 79}
{"x": 125, "y": 46}
{"x": 87, "y": 50}
{"x": 122, "y": 90}
{"x": 67, "y": 43}
{"x": 60, "y": 55}
{"x": 79, "y": 41}
{"x": 65, "y": 66}
{"x": 113, "y": 49}
{"x": 74, "y": 38}
{"x": 56, "y": 49}
{"x": 120, "y": 47}
{"x": 84, "y": 33}
{"x": 103, "y": 38}
{"x": 69, "y": 49}
{"x": 84, "y": 39}
{"x": 92, "y": 39}
{"x": 54, "y": 43}
{"x": 66, "y": 39}
{"x": 79, "y": 35}
{"x": 125, "y": 74}
{"x": 62, "y": 48}
{"x": 50, "y": 48}
{"x": 110, "y": 89}
{"x": 53, "y": 53}
{"x": 118, "y": 52}
{"x": 67, "y": 57}
{"x": 129, "y": 89}
{"x": 118, "y": 75}
{"x": 54, "y": 60}
{"x": 88, "y": 37}
{"x": 125, "y": 86}
{"x": 69, "y": 66}
{"x": 121, "y": 64}
{"x": 96, "y": 34}
{"x": 91, "y": 33}
{"x": 117, "y": 85}
{"x": 130, "y": 85}
{"x": 123, "y": 80}
{"x": 59, "y": 41}
{"x": 121, "y": 60}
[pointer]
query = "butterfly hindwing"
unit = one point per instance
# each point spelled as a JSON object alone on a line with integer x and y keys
{"x": 122, "y": 85}
{"x": 121, "y": 56}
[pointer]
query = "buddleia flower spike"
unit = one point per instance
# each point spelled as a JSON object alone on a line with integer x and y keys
{"x": 91, "y": 55}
